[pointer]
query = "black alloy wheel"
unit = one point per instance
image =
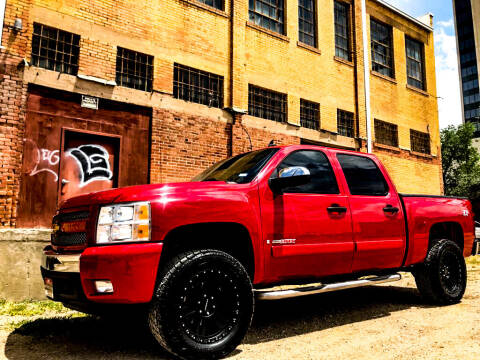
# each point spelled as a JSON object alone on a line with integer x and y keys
{"x": 442, "y": 278}
{"x": 203, "y": 305}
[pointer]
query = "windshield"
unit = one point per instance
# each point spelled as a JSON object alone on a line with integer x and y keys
{"x": 240, "y": 169}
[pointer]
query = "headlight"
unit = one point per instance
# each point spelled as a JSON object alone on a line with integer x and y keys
{"x": 124, "y": 222}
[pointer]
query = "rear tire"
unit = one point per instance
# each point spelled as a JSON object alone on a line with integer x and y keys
{"x": 203, "y": 305}
{"x": 442, "y": 278}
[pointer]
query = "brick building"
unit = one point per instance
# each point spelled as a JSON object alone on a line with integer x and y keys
{"x": 97, "y": 94}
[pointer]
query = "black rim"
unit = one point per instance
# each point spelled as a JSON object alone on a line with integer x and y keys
{"x": 208, "y": 304}
{"x": 450, "y": 272}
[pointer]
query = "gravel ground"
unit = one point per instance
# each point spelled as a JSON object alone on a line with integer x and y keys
{"x": 383, "y": 322}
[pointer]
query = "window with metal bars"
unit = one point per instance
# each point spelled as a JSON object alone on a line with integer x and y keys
{"x": 381, "y": 43}
{"x": 307, "y": 25}
{"x": 345, "y": 125}
{"x": 217, "y": 4}
{"x": 386, "y": 133}
{"x": 267, "y": 104}
{"x": 420, "y": 142}
{"x": 342, "y": 31}
{"x": 55, "y": 49}
{"x": 309, "y": 114}
{"x": 267, "y": 14}
{"x": 415, "y": 63}
{"x": 197, "y": 86}
{"x": 134, "y": 69}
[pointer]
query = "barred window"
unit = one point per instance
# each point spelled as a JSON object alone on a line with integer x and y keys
{"x": 134, "y": 69}
{"x": 267, "y": 14}
{"x": 342, "y": 30}
{"x": 267, "y": 104}
{"x": 307, "y": 31}
{"x": 197, "y": 86}
{"x": 217, "y": 4}
{"x": 381, "y": 39}
{"x": 420, "y": 142}
{"x": 345, "y": 126}
{"x": 386, "y": 133}
{"x": 55, "y": 49}
{"x": 309, "y": 114}
{"x": 415, "y": 63}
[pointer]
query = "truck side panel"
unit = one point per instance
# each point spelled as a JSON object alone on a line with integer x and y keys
{"x": 424, "y": 212}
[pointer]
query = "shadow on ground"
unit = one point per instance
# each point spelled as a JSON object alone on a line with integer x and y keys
{"x": 94, "y": 338}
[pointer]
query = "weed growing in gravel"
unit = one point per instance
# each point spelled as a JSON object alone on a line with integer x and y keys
{"x": 30, "y": 308}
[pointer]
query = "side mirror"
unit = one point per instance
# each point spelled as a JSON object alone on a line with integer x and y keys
{"x": 290, "y": 177}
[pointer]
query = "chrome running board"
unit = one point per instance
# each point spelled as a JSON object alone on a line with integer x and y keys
{"x": 310, "y": 290}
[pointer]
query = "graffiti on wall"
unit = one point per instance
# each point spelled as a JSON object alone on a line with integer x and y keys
{"x": 46, "y": 158}
{"x": 92, "y": 161}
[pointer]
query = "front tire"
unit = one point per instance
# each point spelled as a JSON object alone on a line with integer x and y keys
{"x": 203, "y": 305}
{"x": 442, "y": 278}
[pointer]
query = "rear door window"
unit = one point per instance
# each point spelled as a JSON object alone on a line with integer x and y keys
{"x": 363, "y": 175}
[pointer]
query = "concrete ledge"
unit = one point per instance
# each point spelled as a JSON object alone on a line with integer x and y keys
{"x": 34, "y": 235}
{"x": 20, "y": 257}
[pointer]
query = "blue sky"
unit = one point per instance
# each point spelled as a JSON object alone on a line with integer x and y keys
{"x": 448, "y": 84}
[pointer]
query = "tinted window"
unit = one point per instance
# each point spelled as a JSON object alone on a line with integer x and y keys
{"x": 323, "y": 179}
{"x": 363, "y": 176}
{"x": 240, "y": 169}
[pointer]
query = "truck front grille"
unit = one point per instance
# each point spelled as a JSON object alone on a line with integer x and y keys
{"x": 66, "y": 239}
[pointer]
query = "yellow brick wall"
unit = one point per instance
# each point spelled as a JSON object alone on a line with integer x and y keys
{"x": 190, "y": 33}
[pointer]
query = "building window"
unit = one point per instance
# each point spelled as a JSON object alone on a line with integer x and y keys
{"x": 345, "y": 125}
{"x": 420, "y": 142}
{"x": 386, "y": 133}
{"x": 342, "y": 31}
{"x": 381, "y": 43}
{"x": 415, "y": 63}
{"x": 267, "y": 14}
{"x": 134, "y": 69}
{"x": 267, "y": 104}
{"x": 55, "y": 49}
{"x": 307, "y": 28}
{"x": 309, "y": 114}
{"x": 197, "y": 86}
{"x": 217, "y": 4}
{"x": 2, "y": 16}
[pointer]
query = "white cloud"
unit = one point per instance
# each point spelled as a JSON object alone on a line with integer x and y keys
{"x": 448, "y": 82}
{"x": 445, "y": 24}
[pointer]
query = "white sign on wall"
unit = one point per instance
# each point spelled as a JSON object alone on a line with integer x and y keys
{"x": 2, "y": 16}
{"x": 90, "y": 102}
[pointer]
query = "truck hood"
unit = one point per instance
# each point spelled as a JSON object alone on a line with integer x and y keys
{"x": 146, "y": 193}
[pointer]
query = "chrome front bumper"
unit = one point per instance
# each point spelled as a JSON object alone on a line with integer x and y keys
{"x": 60, "y": 262}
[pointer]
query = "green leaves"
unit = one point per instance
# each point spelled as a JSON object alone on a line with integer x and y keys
{"x": 460, "y": 161}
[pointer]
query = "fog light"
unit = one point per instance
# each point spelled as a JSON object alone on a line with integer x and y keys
{"x": 103, "y": 286}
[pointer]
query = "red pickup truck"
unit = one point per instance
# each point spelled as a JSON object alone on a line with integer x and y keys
{"x": 196, "y": 255}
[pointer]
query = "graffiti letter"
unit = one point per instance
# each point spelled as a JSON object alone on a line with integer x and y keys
{"x": 93, "y": 163}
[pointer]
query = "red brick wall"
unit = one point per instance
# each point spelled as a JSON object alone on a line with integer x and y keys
{"x": 184, "y": 144}
{"x": 12, "y": 112}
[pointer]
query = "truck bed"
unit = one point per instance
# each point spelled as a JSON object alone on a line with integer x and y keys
{"x": 424, "y": 211}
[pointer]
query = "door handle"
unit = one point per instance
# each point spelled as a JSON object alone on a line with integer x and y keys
{"x": 335, "y": 208}
{"x": 391, "y": 209}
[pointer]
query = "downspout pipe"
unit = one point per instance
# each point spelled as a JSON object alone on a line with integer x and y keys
{"x": 366, "y": 67}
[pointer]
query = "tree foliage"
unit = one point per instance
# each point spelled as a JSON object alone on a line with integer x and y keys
{"x": 460, "y": 161}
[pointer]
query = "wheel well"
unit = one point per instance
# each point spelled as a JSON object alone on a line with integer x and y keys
{"x": 232, "y": 238}
{"x": 447, "y": 230}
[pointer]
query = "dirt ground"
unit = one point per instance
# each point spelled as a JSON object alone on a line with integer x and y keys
{"x": 383, "y": 322}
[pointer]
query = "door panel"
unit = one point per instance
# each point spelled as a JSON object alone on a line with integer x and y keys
{"x": 49, "y": 113}
{"x": 303, "y": 239}
{"x": 378, "y": 220}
